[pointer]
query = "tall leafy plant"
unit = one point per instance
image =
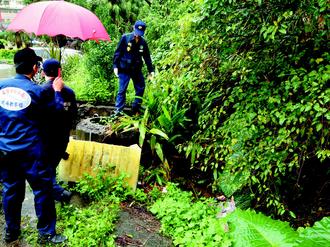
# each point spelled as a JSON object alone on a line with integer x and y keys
{"x": 253, "y": 77}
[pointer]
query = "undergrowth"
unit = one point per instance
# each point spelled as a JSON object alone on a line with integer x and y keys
{"x": 206, "y": 222}
{"x": 187, "y": 220}
{"x": 92, "y": 221}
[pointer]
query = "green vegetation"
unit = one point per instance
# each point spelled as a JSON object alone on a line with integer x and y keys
{"x": 242, "y": 97}
{"x": 7, "y": 56}
{"x": 77, "y": 73}
{"x": 253, "y": 77}
{"x": 92, "y": 221}
{"x": 241, "y": 91}
{"x": 202, "y": 222}
{"x": 94, "y": 224}
{"x": 187, "y": 220}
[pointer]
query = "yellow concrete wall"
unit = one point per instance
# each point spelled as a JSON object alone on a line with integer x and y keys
{"x": 86, "y": 155}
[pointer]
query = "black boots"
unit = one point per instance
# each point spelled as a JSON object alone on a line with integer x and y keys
{"x": 54, "y": 239}
{"x": 11, "y": 236}
{"x": 66, "y": 196}
{"x": 42, "y": 239}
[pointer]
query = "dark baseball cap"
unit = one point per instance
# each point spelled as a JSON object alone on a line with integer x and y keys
{"x": 51, "y": 66}
{"x": 26, "y": 56}
{"x": 139, "y": 28}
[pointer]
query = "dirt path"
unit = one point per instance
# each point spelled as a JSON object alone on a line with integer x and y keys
{"x": 137, "y": 227}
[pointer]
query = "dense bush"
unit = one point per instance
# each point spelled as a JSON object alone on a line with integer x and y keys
{"x": 79, "y": 77}
{"x": 253, "y": 77}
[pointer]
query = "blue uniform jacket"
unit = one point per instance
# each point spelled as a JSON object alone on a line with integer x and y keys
{"x": 62, "y": 122}
{"x": 23, "y": 109}
{"x": 128, "y": 55}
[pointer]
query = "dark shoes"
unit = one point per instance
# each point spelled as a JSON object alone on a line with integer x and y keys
{"x": 11, "y": 236}
{"x": 137, "y": 110}
{"x": 42, "y": 239}
{"x": 66, "y": 196}
{"x": 53, "y": 239}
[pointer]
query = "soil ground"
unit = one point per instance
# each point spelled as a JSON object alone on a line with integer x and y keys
{"x": 135, "y": 228}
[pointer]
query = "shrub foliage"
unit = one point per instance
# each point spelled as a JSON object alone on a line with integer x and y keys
{"x": 253, "y": 76}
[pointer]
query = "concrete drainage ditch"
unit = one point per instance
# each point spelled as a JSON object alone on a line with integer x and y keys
{"x": 98, "y": 129}
{"x": 94, "y": 125}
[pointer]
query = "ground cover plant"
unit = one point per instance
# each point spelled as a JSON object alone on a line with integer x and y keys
{"x": 94, "y": 225}
{"x": 91, "y": 220}
{"x": 188, "y": 220}
{"x": 207, "y": 222}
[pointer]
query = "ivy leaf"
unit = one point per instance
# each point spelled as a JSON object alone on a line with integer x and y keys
{"x": 319, "y": 60}
{"x": 282, "y": 30}
{"x": 282, "y": 120}
{"x": 327, "y": 116}
{"x": 319, "y": 126}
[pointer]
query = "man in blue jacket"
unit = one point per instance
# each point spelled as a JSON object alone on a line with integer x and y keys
{"x": 60, "y": 124}
{"x": 127, "y": 64}
{"x": 23, "y": 109}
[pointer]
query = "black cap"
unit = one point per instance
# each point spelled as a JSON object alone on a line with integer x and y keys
{"x": 51, "y": 66}
{"x": 26, "y": 56}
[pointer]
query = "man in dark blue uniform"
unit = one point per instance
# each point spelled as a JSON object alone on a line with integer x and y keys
{"x": 23, "y": 107}
{"x": 60, "y": 125}
{"x": 127, "y": 64}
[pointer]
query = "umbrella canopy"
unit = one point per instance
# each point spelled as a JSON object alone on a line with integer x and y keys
{"x": 59, "y": 17}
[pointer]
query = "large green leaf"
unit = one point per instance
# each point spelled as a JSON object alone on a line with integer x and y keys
{"x": 249, "y": 228}
{"x": 316, "y": 236}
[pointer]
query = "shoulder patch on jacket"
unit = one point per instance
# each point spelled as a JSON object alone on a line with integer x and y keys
{"x": 14, "y": 99}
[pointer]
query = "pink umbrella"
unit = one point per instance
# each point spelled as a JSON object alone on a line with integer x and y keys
{"x": 59, "y": 17}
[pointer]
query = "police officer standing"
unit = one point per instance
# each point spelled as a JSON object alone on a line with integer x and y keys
{"x": 60, "y": 124}
{"x": 127, "y": 64}
{"x": 23, "y": 107}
